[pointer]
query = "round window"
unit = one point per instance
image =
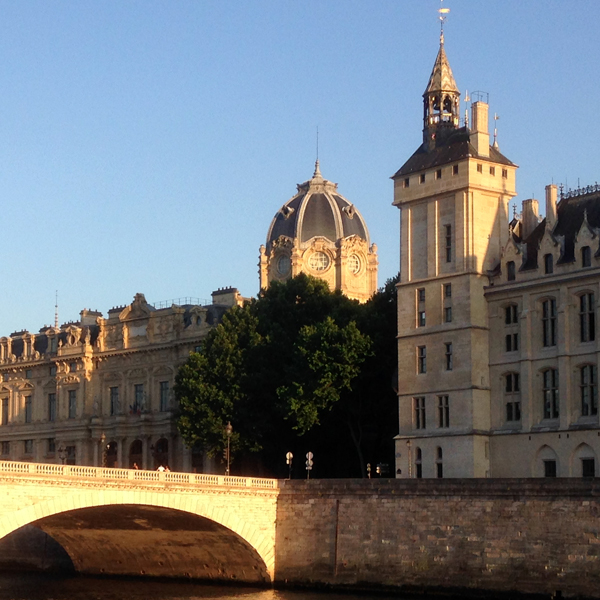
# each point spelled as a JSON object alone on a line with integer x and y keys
{"x": 283, "y": 265}
{"x": 318, "y": 261}
{"x": 354, "y": 264}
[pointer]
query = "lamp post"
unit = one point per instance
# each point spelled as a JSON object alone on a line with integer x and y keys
{"x": 288, "y": 459}
{"x": 228, "y": 432}
{"x": 409, "y": 459}
{"x": 309, "y": 464}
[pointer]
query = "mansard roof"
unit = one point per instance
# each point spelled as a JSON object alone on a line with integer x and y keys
{"x": 451, "y": 146}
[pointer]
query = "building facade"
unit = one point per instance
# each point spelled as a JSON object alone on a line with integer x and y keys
{"x": 320, "y": 233}
{"x": 497, "y": 351}
{"x": 100, "y": 390}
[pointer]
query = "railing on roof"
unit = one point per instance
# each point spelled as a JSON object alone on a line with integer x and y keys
{"x": 181, "y": 302}
{"x": 82, "y": 472}
{"x": 578, "y": 191}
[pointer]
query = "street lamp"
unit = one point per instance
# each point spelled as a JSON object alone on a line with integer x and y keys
{"x": 103, "y": 448}
{"x": 409, "y": 459}
{"x": 288, "y": 459}
{"x": 228, "y": 432}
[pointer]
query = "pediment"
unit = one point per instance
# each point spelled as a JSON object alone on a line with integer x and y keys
{"x": 158, "y": 371}
{"x": 138, "y": 309}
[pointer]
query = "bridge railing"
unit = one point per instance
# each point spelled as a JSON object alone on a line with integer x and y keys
{"x": 82, "y": 472}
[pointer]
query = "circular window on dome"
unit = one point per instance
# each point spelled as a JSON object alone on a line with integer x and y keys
{"x": 283, "y": 265}
{"x": 318, "y": 261}
{"x": 354, "y": 264}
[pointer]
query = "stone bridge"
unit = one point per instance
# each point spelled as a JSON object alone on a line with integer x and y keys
{"x": 122, "y": 521}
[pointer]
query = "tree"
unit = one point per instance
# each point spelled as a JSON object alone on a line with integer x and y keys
{"x": 289, "y": 370}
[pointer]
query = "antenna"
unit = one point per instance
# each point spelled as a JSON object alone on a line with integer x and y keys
{"x": 496, "y": 117}
{"x": 467, "y": 100}
{"x": 56, "y": 310}
{"x": 317, "y": 142}
{"x": 443, "y": 12}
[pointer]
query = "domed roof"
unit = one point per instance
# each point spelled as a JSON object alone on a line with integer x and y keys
{"x": 317, "y": 210}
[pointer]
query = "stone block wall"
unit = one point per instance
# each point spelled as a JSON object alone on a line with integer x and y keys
{"x": 530, "y": 536}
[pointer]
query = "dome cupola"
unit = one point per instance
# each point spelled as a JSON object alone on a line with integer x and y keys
{"x": 320, "y": 233}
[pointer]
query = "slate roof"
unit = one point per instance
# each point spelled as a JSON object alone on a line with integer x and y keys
{"x": 451, "y": 145}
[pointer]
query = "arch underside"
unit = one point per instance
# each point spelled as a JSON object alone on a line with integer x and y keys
{"x": 156, "y": 540}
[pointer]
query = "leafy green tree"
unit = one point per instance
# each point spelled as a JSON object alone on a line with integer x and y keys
{"x": 291, "y": 372}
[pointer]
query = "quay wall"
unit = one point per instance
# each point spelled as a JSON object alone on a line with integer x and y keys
{"x": 526, "y": 535}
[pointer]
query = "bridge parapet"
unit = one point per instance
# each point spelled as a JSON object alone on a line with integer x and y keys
{"x": 194, "y": 479}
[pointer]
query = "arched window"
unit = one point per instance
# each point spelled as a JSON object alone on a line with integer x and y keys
{"x": 588, "y": 385}
{"x": 586, "y": 257}
{"x": 510, "y": 270}
{"x": 587, "y": 317}
{"x": 548, "y": 264}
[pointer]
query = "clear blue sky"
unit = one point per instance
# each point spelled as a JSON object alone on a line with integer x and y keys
{"x": 146, "y": 145}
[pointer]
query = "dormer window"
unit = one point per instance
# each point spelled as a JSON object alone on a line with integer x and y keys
{"x": 548, "y": 264}
{"x": 510, "y": 270}
{"x": 586, "y": 257}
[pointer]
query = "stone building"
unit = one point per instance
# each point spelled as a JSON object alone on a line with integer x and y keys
{"x": 320, "y": 233}
{"x": 99, "y": 391}
{"x": 497, "y": 350}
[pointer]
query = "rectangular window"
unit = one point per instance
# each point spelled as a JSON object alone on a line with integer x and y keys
{"x": 4, "y": 411}
{"x": 421, "y": 294}
{"x": 504, "y": 173}
{"x": 422, "y": 359}
{"x": 51, "y": 446}
{"x": 28, "y": 374}
{"x": 448, "y": 314}
{"x": 448, "y": 356}
{"x": 5, "y": 448}
{"x": 511, "y": 315}
{"x": 422, "y": 178}
{"x": 549, "y": 322}
{"x": 493, "y": 171}
{"x": 72, "y": 396}
{"x": 480, "y": 168}
{"x": 439, "y": 470}
{"x": 28, "y": 446}
{"x": 71, "y": 455}
{"x": 588, "y": 467}
{"x": 454, "y": 169}
{"x": 421, "y": 319}
{"x": 448, "y": 290}
{"x": 548, "y": 264}
{"x": 114, "y": 400}
{"x": 587, "y": 318}
{"x": 512, "y": 387}
{"x": 589, "y": 390}
{"x": 550, "y": 382}
{"x": 443, "y": 411}
{"x": 513, "y": 411}
{"x": 73, "y": 367}
{"x": 164, "y": 396}
{"x": 53, "y": 344}
{"x": 549, "y": 468}
{"x": 510, "y": 270}
{"x": 138, "y": 401}
{"x": 419, "y": 412}
{"x": 52, "y": 370}
{"x": 438, "y": 174}
{"x": 512, "y": 342}
{"x": 28, "y": 409}
{"x": 448, "y": 229}
{"x": 52, "y": 407}
{"x": 407, "y": 182}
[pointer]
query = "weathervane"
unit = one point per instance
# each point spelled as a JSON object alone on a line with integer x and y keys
{"x": 443, "y": 12}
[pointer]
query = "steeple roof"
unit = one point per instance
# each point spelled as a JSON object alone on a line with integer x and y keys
{"x": 441, "y": 79}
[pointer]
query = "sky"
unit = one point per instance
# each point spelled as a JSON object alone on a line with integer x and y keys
{"x": 145, "y": 146}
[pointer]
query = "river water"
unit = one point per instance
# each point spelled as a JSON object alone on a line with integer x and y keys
{"x": 34, "y": 586}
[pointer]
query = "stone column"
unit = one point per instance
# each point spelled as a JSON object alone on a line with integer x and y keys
{"x": 119, "y": 453}
{"x": 145, "y": 446}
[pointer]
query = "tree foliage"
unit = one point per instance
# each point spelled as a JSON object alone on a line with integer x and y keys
{"x": 299, "y": 366}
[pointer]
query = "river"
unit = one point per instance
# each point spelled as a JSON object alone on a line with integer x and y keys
{"x": 34, "y": 586}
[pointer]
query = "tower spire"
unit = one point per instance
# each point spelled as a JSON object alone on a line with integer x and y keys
{"x": 56, "y": 310}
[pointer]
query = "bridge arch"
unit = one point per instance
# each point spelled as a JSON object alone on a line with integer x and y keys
{"x": 198, "y": 504}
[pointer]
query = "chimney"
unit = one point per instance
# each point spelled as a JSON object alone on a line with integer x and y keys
{"x": 551, "y": 195}
{"x": 480, "y": 136}
{"x": 530, "y": 218}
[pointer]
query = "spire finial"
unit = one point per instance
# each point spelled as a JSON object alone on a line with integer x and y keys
{"x": 317, "y": 173}
{"x": 443, "y": 12}
{"x": 495, "y": 144}
{"x": 317, "y": 142}
{"x": 56, "y": 310}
